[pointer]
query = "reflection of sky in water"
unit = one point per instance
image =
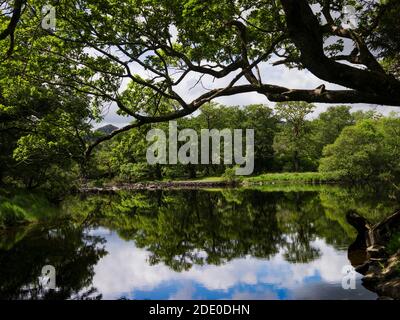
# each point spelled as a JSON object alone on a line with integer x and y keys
{"x": 125, "y": 272}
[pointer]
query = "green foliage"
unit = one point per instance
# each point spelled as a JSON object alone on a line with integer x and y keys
{"x": 23, "y": 208}
{"x": 367, "y": 151}
{"x": 328, "y": 126}
{"x": 230, "y": 176}
{"x": 291, "y": 142}
{"x": 186, "y": 228}
{"x": 43, "y": 128}
{"x": 293, "y": 177}
{"x": 394, "y": 244}
{"x": 279, "y": 142}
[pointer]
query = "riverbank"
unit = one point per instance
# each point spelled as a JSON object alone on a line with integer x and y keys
{"x": 296, "y": 178}
{"x": 379, "y": 244}
{"x": 159, "y": 185}
{"x": 23, "y": 208}
{"x": 284, "y": 179}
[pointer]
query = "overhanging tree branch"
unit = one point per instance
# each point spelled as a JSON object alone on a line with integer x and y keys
{"x": 307, "y": 34}
{"x": 272, "y": 92}
{"x": 12, "y": 25}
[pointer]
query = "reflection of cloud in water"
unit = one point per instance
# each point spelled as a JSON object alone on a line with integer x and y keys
{"x": 125, "y": 272}
{"x": 261, "y": 294}
{"x": 186, "y": 292}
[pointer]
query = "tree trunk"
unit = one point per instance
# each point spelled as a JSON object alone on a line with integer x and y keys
{"x": 192, "y": 172}
{"x": 158, "y": 172}
{"x": 296, "y": 161}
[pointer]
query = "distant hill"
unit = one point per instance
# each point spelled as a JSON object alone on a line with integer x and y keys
{"x": 107, "y": 129}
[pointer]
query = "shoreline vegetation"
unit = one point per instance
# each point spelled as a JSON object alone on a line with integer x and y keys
{"x": 20, "y": 207}
{"x": 284, "y": 179}
{"x": 337, "y": 147}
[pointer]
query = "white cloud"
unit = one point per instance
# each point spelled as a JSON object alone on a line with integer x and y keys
{"x": 125, "y": 270}
{"x": 278, "y": 75}
{"x": 184, "y": 293}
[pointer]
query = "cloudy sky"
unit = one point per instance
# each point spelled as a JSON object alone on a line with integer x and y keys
{"x": 125, "y": 272}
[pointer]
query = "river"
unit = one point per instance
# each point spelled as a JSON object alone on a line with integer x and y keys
{"x": 268, "y": 243}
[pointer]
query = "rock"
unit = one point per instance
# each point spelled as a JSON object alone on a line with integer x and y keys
{"x": 389, "y": 288}
{"x": 381, "y": 272}
{"x": 392, "y": 268}
{"x": 363, "y": 269}
{"x": 385, "y": 298}
{"x": 377, "y": 251}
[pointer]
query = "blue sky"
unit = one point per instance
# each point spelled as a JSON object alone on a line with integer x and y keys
{"x": 125, "y": 272}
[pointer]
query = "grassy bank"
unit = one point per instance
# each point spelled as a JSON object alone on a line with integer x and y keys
{"x": 292, "y": 177}
{"x": 282, "y": 178}
{"x": 268, "y": 179}
{"x": 24, "y": 208}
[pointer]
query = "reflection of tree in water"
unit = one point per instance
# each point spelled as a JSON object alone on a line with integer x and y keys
{"x": 72, "y": 252}
{"x": 204, "y": 227}
{"x": 177, "y": 228}
{"x": 182, "y": 228}
{"x": 297, "y": 214}
{"x": 373, "y": 202}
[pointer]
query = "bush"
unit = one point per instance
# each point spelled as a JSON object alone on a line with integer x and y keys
{"x": 367, "y": 151}
{"x": 300, "y": 177}
{"x": 22, "y": 208}
{"x": 394, "y": 243}
{"x": 230, "y": 176}
{"x": 11, "y": 215}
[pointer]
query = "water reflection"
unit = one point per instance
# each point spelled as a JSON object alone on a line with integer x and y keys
{"x": 68, "y": 248}
{"x": 231, "y": 244}
{"x": 243, "y": 278}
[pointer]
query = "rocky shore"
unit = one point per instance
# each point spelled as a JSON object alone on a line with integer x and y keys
{"x": 159, "y": 186}
{"x": 371, "y": 256}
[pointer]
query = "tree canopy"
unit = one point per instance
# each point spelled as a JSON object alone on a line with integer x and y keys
{"x": 137, "y": 53}
{"x": 366, "y": 151}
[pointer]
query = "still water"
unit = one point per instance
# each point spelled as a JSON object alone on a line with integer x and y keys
{"x": 198, "y": 244}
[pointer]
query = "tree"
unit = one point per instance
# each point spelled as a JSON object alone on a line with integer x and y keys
{"x": 229, "y": 40}
{"x": 128, "y": 157}
{"x": 292, "y": 139}
{"x": 328, "y": 126}
{"x": 262, "y": 119}
{"x": 10, "y": 14}
{"x": 368, "y": 150}
{"x": 43, "y": 129}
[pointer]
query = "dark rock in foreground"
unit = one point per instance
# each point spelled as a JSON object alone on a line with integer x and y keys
{"x": 381, "y": 269}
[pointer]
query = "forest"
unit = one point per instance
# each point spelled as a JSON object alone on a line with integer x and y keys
{"x": 352, "y": 147}
{"x": 58, "y": 76}
{"x": 344, "y": 146}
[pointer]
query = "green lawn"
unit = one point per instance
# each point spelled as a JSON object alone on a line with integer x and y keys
{"x": 204, "y": 179}
{"x": 278, "y": 178}
{"x": 292, "y": 177}
{"x": 271, "y": 179}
